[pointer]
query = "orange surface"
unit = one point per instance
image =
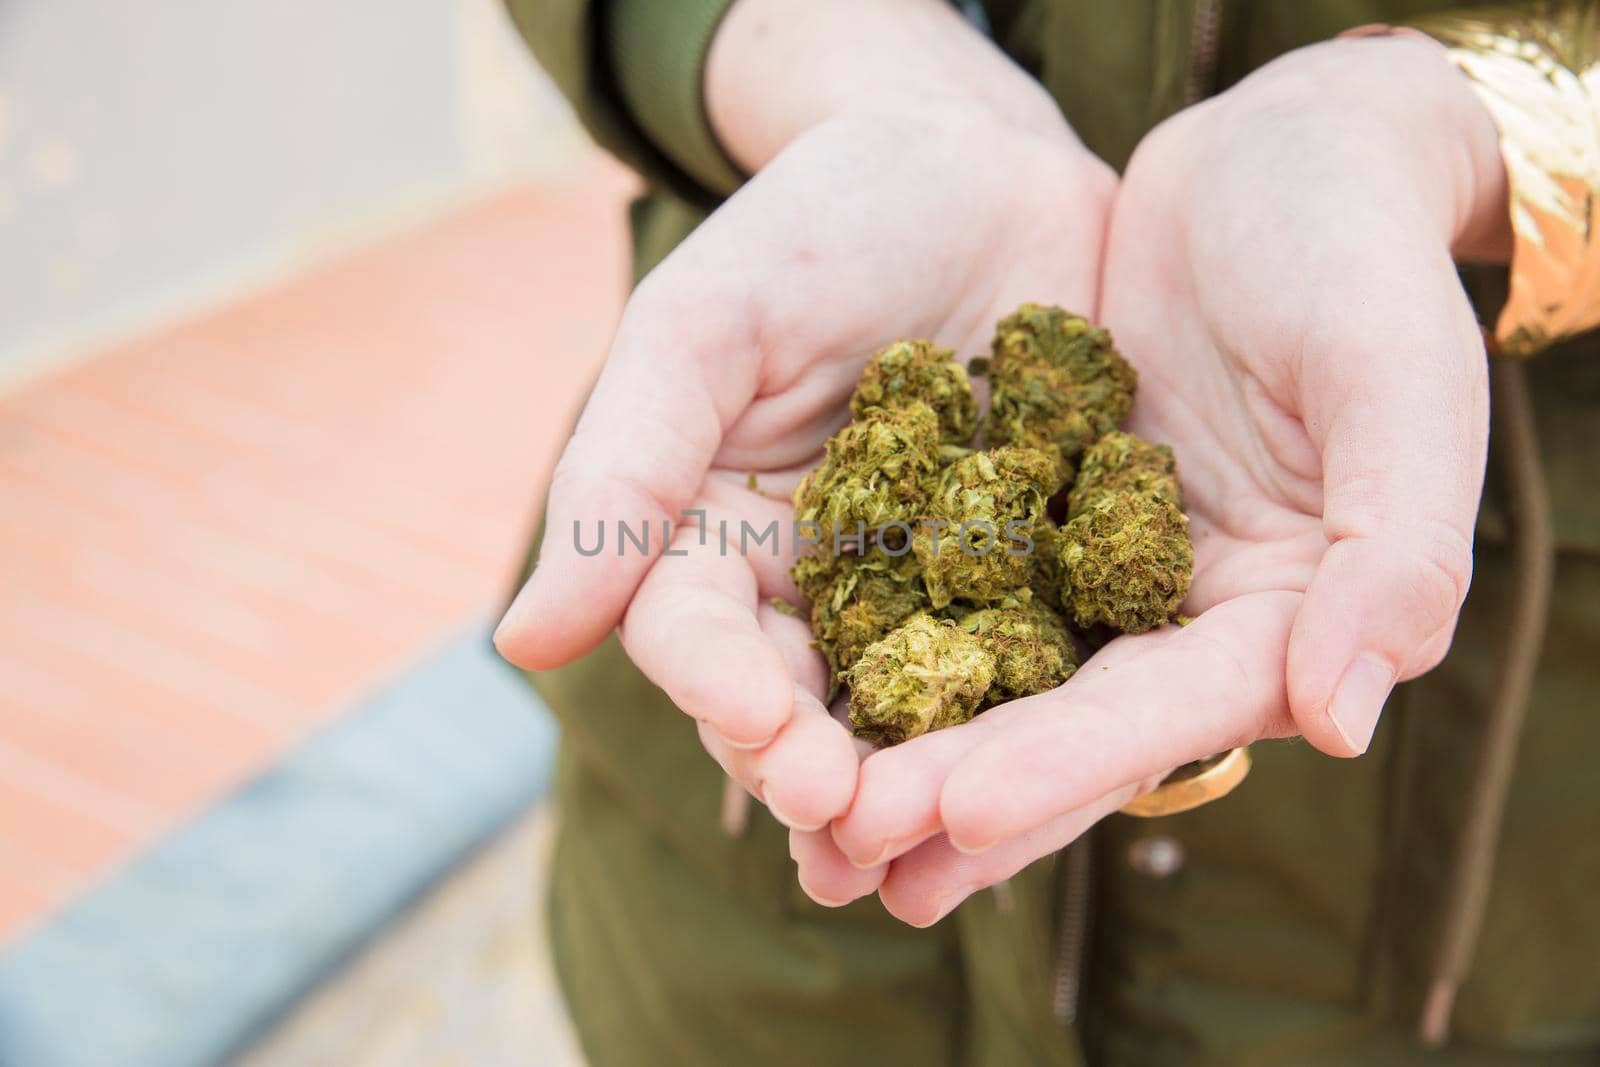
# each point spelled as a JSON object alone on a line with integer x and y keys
{"x": 218, "y": 536}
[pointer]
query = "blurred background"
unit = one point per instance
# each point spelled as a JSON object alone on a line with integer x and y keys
{"x": 296, "y": 302}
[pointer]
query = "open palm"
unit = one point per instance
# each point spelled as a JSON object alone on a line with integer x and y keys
{"x": 731, "y": 367}
{"x": 1305, "y": 346}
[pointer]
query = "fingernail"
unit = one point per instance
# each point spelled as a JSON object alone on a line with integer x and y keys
{"x": 746, "y": 746}
{"x": 792, "y": 823}
{"x": 882, "y": 856}
{"x": 1359, "y": 698}
{"x": 971, "y": 850}
{"x": 508, "y": 622}
{"x": 519, "y": 603}
{"x": 826, "y": 902}
{"x": 789, "y": 822}
{"x": 750, "y": 746}
{"x": 943, "y": 907}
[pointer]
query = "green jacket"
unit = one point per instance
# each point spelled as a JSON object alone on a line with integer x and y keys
{"x": 1305, "y": 917}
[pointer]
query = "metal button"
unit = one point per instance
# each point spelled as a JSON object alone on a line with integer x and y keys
{"x": 1157, "y": 857}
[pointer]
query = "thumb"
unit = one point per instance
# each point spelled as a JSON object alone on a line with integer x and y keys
{"x": 1405, "y": 405}
{"x": 638, "y": 456}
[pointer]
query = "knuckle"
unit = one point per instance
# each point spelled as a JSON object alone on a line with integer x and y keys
{"x": 569, "y": 479}
{"x": 1442, "y": 573}
{"x": 1428, "y": 565}
{"x": 1431, "y": 654}
{"x": 1223, "y": 661}
{"x": 872, "y": 783}
{"x": 1257, "y": 717}
{"x": 882, "y": 810}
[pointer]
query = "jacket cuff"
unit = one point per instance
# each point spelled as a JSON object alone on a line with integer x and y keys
{"x": 657, "y": 54}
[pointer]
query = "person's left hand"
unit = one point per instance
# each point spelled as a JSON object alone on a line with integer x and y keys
{"x": 1280, "y": 272}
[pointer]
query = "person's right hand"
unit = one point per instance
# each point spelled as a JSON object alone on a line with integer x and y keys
{"x": 736, "y": 357}
{"x": 1280, "y": 271}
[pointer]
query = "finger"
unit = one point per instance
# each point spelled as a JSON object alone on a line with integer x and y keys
{"x": 1403, "y": 456}
{"x": 676, "y": 376}
{"x": 758, "y": 529}
{"x": 791, "y": 636}
{"x": 693, "y": 630}
{"x": 1216, "y": 684}
{"x": 826, "y": 875}
{"x": 807, "y": 774}
{"x": 927, "y": 883}
{"x": 896, "y": 806}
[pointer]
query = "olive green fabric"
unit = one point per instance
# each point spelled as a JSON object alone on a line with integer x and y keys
{"x": 658, "y": 52}
{"x": 1301, "y": 923}
{"x": 572, "y": 41}
{"x": 678, "y": 944}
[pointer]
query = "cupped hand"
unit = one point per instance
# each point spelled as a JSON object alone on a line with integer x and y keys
{"x": 733, "y": 363}
{"x": 1279, "y": 269}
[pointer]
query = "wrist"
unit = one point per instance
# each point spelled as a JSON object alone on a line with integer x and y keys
{"x": 777, "y": 68}
{"x": 1396, "y": 107}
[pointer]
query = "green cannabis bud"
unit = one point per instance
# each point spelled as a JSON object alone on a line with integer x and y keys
{"x": 979, "y": 545}
{"x": 875, "y": 471}
{"x": 925, "y": 675}
{"x": 941, "y": 584}
{"x": 1124, "y": 463}
{"x": 1056, "y": 383}
{"x": 1032, "y": 648}
{"x": 1127, "y": 561}
{"x": 1046, "y": 581}
{"x": 856, "y": 600}
{"x": 908, "y": 372}
{"x": 1124, "y": 558}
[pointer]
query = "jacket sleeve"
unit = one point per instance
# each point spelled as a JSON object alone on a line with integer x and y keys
{"x": 633, "y": 70}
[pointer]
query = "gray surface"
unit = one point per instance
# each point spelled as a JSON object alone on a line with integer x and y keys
{"x": 187, "y": 952}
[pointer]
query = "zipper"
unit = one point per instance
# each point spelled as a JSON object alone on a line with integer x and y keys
{"x": 1072, "y": 929}
{"x": 1204, "y": 40}
{"x": 1074, "y": 914}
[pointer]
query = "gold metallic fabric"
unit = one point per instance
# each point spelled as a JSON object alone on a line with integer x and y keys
{"x": 1537, "y": 69}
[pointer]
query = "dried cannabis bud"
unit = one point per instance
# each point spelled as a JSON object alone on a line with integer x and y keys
{"x": 1124, "y": 557}
{"x": 1124, "y": 463}
{"x": 941, "y": 584}
{"x": 1127, "y": 561}
{"x": 1046, "y": 581}
{"x": 925, "y": 675}
{"x": 911, "y": 371}
{"x": 980, "y": 545}
{"x": 876, "y": 471}
{"x": 1056, "y": 383}
{"x": 1032, "y": 648}
{"x": 856, "y": 600}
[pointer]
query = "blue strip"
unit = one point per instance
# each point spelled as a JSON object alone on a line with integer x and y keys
{"x": 185, "y": 954}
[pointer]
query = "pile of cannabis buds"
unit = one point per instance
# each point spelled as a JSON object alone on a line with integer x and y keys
{"x": 943, "y": 582}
